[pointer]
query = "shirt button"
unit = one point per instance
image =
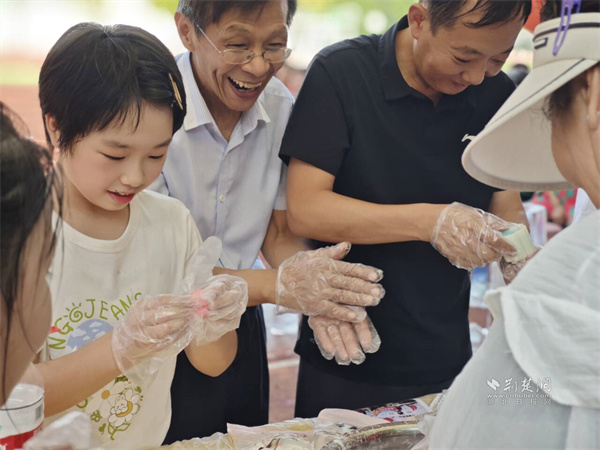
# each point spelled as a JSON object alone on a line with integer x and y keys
{"x": 221, "y": 198}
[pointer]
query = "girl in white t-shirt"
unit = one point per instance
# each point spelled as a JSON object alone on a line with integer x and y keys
{"x": 111, "y": 98}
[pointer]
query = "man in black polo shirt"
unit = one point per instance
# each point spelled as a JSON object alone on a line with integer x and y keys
{"x": 374, "y": 145}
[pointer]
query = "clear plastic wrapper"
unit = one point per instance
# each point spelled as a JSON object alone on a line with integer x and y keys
{"x": 73, "y": 431}
{"x": 347, "y": 342}
{"x": 217, "y": 441}
{"x": 511, "y": 269}
{"x": 518, "y": 236}
{"x": 316, "y": 282}
{"x": 470, "y": 237}
{"x": 295, "y": 434}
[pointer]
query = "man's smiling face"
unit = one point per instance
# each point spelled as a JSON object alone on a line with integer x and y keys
{"x": 237, "y": 87}
{"x": 452, "y": 59}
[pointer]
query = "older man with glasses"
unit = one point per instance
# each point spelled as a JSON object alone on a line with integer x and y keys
{"x": 223, "y": 165}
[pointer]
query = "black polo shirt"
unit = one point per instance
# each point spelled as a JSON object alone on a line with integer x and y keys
{"x": 386, "y": 143}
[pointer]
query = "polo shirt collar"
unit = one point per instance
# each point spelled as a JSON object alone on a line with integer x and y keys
{"x": 395, "y": 86}
{"x": 198, "y": 113}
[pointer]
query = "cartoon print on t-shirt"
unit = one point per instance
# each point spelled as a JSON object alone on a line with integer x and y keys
{"x": 114, "y": 406}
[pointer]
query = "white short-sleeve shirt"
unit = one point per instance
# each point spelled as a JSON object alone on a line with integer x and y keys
{"x": 94, "y": 283}
{"x": 231, "y": 188}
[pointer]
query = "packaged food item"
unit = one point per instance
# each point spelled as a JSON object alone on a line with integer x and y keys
{"x": 290, "y": 434}
{"x": 325, "y": 433}
{"x": 390, "y": 436}
{"x": 518, "y": 236}
{"x": 405, "y": 411}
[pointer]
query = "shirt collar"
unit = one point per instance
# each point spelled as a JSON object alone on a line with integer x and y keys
{"x": 394, "y": 85}
{"x": 198, "y": 113}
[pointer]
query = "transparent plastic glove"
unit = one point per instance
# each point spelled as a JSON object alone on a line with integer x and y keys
{"x": 201, "y": 265}
{"x": 153, "y": 330}
{"x": 511, "y": 269}
{"x": 156, "y": 329}
{"x": 220, "y": 302}
{"x": 470, "y": 237}
{"x": 346, "y": 341}
{"x": 316, "y": 282}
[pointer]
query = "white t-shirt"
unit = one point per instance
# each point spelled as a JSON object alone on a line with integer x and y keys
{"x": 535, "y": 381}
{"x": 231, "y": 187}
{"x": 93, "y": 283}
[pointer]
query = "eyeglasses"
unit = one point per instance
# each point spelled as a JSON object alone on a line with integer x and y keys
{"x": 233, "y": 56}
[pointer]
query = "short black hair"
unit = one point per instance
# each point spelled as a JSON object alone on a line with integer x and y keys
{"x": 559, "y": 102}
{"x": 205, "y": 12}
{"x": 445, "y": 13}
{"x": 96, "y": 74}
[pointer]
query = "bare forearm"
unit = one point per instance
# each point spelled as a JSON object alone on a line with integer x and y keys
{"x": 261, "y": 283}
{"x": 508, "y": 206}
{"x": 278, "y": 249}
{"x": 332, "y": 217}
{"x": 213, "y": 359}
{"x": 74, "y": 377}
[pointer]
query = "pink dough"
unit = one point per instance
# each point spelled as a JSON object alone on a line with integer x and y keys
{"x": 202, "y": 307}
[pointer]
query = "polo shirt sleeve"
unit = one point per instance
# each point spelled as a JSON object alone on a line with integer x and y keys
{"x": 317, "y": 132}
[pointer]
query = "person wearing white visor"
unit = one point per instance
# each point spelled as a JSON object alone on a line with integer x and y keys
{"x": 535, "y": 382}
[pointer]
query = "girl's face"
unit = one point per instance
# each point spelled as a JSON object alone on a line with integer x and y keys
{"x": 106, "y": 169}
{"x": 31, "y": 317}
{"x": 575, "y": 139}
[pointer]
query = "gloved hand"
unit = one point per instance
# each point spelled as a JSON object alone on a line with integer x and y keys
{"x": 316, "y": 282}
{"x": 470, "y": 237}
{"x": 221, "y": 301}
{"x": 158, "y": 328}
{"x": 511, "y": 269}
{"x": 346, "y": 341}
{"x": 152, "y": 331}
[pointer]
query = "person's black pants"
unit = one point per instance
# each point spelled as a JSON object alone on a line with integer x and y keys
{"x": 318, "y": 390}
{"x": 202, "y": 405}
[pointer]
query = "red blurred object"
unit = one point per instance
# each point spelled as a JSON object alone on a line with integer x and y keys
{"x": 535, "y": 16}
{"x": 203, "y": 306}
